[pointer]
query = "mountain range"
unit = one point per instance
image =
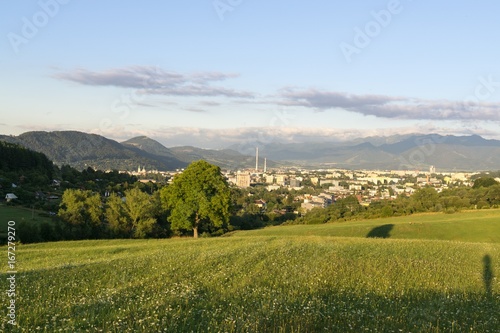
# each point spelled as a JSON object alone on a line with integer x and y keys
{"x": 414, "y": 152}
{"x": 398, "y": 152}
{"x": 83, "y": 150}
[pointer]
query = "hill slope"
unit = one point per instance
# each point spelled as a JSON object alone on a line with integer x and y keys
{"x": 260, "y": 284}
{"x": 82, "y": 150}
{"x": 469, "y": 226}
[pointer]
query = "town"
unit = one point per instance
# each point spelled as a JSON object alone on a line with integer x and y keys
{"x": 319, "y": 188}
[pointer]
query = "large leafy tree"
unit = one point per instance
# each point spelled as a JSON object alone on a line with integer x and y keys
{"x": 199, "y": 194}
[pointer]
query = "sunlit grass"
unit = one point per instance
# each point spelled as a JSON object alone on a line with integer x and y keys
{"x": 469, "y": 226}
{"x": 257, "y": 284}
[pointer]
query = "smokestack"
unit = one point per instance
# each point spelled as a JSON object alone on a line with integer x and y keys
{"x": 257, "y": 159}
{"x": 265, "y": 165}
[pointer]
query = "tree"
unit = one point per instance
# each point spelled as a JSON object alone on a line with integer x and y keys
{"x": 81, "y": 209}
{"x": 140, "y": 211}
{"x": 199, "y": 194}
{"x": 424, "y": 199}
{"x": 484, "y": 182}
{"x": 131, "y": 217}
{"x": 116, "y": 217}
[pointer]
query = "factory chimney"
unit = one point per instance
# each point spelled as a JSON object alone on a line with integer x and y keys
{"x": 257, "y": 159}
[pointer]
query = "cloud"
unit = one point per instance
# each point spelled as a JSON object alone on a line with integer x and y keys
{"x": 156, "y": 81}
{"x": 391, "y": 107}
{"x": 210, "y": 103}
{"x": 196, "y": 110}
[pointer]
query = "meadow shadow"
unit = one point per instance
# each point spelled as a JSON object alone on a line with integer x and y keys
{"x": 382, "y": 231}
{"x": 487, "y": 274}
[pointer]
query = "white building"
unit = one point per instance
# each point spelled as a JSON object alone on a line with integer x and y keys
{"x": 10, "y": 196}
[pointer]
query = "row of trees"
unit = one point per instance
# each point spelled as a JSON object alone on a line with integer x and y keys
{"x": 199, "y": 197}
{"x": 18, "y": 159}
{"x": 425, "y": 199}
{"x": 132, "y": 216}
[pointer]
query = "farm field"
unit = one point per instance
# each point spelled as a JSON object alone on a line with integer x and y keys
{"x": 280, "y": 279}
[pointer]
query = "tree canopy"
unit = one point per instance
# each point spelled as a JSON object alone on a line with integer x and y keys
{"x": 484, "y": 182}
{"x": 81, "y": 209}
{"x": 200, "y": 194}
{"x": 133, "y": 216}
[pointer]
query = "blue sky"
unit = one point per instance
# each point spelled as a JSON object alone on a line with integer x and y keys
{"x": 212, "y": 73}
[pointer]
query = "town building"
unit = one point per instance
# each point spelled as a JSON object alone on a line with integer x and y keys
{"x": 243, "y": 179}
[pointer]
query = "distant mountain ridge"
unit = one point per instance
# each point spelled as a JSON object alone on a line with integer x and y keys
{"x": 83, "y": 150}
{"x": 412, "y": 151}
{"x": 415, "y": 151}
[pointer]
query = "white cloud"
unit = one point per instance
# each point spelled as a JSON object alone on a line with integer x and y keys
{"x": 156, "y": 81}
{"x": 391, "y": 107}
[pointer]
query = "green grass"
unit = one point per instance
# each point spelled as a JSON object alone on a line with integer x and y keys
{"x": 469, "y": 226}
{"x": 271, "y": 280}
{"x": 19, "y": 214}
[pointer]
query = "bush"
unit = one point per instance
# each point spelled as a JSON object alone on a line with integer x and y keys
{"x": 482, "y": 205}
{"x": 450, "y": 210}
{"x": 28, "y": 232}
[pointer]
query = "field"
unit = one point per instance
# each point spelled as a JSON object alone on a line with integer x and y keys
{"x": 326, "y": 278}
{"x": 19, "y": 214}
{"x": 468, "y": 226}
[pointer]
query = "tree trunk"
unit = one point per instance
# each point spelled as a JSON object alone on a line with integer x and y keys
{"x": 195, "y": 228}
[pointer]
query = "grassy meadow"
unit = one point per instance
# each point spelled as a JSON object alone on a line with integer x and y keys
{"x": 322, "y": 278}
{"x": 467, "y": 226}
{"x": 19, "y": 214}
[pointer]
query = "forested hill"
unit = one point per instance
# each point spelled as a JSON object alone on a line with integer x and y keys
{"x": 82, "y": 150}
{"x": 17, "y": 159}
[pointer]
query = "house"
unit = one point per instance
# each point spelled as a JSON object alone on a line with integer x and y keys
{"x": 10, "y": 196}
{"x": 323, "y": 200}
{"x": 262, "y": 204}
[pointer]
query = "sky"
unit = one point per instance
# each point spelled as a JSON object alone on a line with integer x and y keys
{"x": 212, "y": 73}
